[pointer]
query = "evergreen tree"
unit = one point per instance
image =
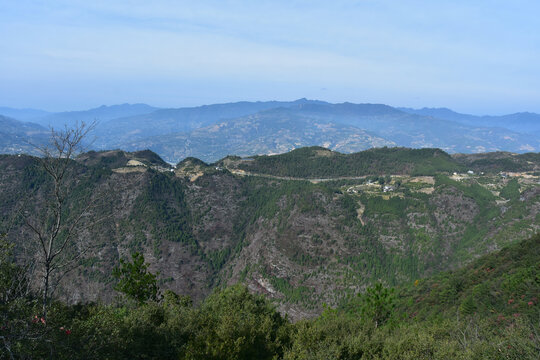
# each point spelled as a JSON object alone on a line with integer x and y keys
{"x": 377, "y": 304}
{"x": 135, "y": 281}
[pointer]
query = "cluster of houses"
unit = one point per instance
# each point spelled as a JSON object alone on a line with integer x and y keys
{"x": 385, "y": 188}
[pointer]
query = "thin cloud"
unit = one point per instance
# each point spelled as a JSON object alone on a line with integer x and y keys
{"x": 362, "y": 51}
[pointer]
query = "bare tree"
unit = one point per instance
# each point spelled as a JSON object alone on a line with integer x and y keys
{"x": 54, "y": 227}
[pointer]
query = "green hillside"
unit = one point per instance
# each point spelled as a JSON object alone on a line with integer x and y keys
{"x": 302, "y": 248}
{"x": 498, "y": 286}
{"x": 486, "y": 310}
{"x": 299, "y": 241}
{"x": 317, "y": 162}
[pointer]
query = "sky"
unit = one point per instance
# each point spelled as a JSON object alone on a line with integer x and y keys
{"x": 479, "y": 57}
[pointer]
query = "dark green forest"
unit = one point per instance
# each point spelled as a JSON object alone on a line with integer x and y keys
{"x": 319, "y": 162}
{"x": 486, "y": 310}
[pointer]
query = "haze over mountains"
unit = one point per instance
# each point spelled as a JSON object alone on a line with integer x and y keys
{"x": 211, "y": 132}
{"x": 17, "y": 136}
{"x": 524, "y": 122}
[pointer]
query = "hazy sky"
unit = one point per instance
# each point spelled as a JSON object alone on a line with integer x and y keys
{"x": 472, "y": 56}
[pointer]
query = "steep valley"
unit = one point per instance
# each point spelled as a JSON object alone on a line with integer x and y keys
{"x": 306, "y": 234}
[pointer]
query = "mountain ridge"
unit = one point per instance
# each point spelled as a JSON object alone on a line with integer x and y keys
{"x": 302, "y": 242}
{"x": 25, "y": 114}
{"x": 525, "y": 122}
{"x": 207, "y": 131}
{"x": 21, "y": 137}
{"x": 274, "y": 130}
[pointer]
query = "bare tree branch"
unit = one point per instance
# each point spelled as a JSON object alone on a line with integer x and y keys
{"x": 56, "y": 231}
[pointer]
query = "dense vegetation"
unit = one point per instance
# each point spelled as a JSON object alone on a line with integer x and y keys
{"x": 488, "y": 309}
{"x": 318, "y": 162}
{"x": 392, "y": 217}
{"x": 499, "y": 161}
{"x": 304, "y": 243}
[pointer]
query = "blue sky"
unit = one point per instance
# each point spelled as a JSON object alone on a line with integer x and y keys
{"x": 481, "y": 57}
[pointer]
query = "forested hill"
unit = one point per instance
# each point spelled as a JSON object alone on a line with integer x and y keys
{"x": 301, "y": 243}
{"x": 497, "y": 287}
{"x": 317, "y": 162}
{"x": 487, "y": 310}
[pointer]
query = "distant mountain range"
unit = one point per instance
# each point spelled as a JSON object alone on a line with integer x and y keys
{"x": 130, "y": 129}
{"x": 23, "y": 114}
{"x": 524, "y": 122}
{"x": 212, "y": 131}
{"x": 266, "y": 132}
{"x": 101, "y": 114}
{"x": 20, "y": 137}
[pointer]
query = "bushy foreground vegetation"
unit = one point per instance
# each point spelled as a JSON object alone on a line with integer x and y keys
{"x": 487, "y": 310}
